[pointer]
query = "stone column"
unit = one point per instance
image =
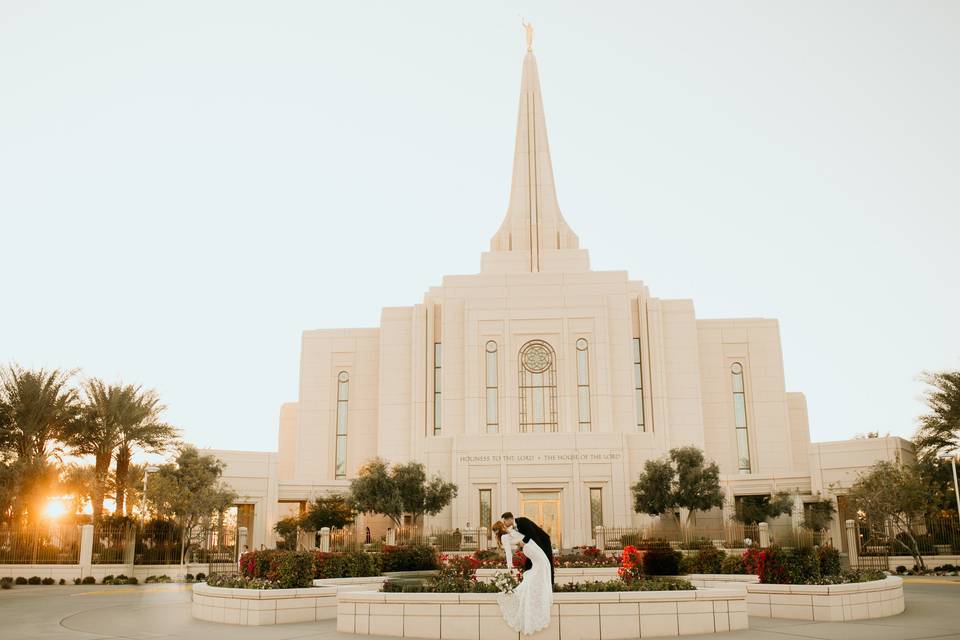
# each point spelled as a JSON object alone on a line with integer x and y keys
{"x": 325, "y": 539}
{"x": 598, "y": 537}
{"x": 391, "y": 537}
{"x": 796, "y": 515}
{"x": 852, "y": 549}
{"x": 86, "y": 550}
{"x": 130, "y": 547}
{"x": 242, "y": 544}
{"x": 764, "y": 534}
{"x": 483, "y": 539}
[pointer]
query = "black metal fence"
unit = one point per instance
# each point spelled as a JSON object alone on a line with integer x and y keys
{"x": 39, "y": 544}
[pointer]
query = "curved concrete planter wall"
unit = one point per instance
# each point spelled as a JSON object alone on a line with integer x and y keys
{"x": 274, "y": 606}
{"x": 828, "y": 603}
{"x": 576, "y": 616}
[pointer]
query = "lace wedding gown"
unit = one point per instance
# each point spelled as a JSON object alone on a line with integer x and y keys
{"x": 527, "y": 609}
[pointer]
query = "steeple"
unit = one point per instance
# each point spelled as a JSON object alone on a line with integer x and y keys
{"x": 534, "y": 225}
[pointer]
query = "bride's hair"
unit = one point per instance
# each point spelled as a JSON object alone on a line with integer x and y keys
{"x": 499, "y": 529}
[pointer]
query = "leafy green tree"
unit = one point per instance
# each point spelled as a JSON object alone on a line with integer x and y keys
{"x": 760, "y": 508}
{"x": 818, "y": 515}
{"x": 287, "y": 528}
{"x": 939, "y": 430}
{"x": 398, "y": 490}
{"x": 682, "y": 480}
{"x": 190, "y": 491}
{"x": 327, "y": 511}
{"x": 893, "y": 495}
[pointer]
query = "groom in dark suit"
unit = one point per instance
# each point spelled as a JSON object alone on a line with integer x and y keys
{"x": 531, "y": 531}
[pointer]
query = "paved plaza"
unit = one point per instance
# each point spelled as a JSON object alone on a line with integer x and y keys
{"x": 151, "y": 612}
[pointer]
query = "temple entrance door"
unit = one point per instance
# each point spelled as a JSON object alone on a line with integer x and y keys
{"x": 543, "y": 507}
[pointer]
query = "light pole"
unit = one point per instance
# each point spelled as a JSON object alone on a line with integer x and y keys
{"x": 143, "y": 498}
{"x": 956, "y": 488}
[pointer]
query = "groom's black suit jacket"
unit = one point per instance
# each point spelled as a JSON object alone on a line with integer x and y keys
{"x": 531, "y": 531}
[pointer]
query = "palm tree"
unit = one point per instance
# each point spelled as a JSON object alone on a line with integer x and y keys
{"x": 97, "y": 433}
{"x": 939, "y": 430}
{"x": 132, "y": 488}
{"x": 37, "y": 410}
{"x": 79, "y": 481}
{"x": 140, "y": 428}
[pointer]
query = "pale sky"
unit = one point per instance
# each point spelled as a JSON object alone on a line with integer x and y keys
{"x": 186, "y": 186}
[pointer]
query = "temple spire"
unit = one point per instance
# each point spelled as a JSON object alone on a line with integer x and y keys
{"x": 533, "y": 224}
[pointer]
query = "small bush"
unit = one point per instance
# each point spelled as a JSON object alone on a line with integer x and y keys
{"x": 706, "y": 560}
{"x": 6, "y": 585}
{"x": 352, "y": 564}
{"x": 294, "y": 570}
{"x": 414, "y": 557}
{"x": 239, "y": 582}
{"x": 732, "y": 565}
{"x": 62, "y": 581}
{"x": 829, "y": 561}
{"x": 188, "y": 577}
{"x": 20, "y": 580}
{"x": 48, "y": 581}
{"x": 619, "y": 585}
{"x": 120, "y": 579}
{"x": 76, "y": 581}
{"x": 5, "y": 579}
{"x": 201, "y": 577}
{"x": 34, "y": 580}
{"x": 107, "y": 579}
{"x": 661, "y": 561}
{"x": 89, "y": 580}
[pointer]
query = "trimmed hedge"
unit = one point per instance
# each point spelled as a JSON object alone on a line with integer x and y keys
{"x": 414, "y": 557}
{"x": 353, "y": 564}
{"x": 661, "y": 561}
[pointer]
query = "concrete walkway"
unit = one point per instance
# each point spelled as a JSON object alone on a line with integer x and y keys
{"x": 152, "y": 612}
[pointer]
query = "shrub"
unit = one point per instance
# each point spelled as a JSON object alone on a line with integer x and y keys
{"x": 829, "y": 560}
{"x": 661, "y": 561}
{"x": 6, "y": 585}
{"x": 293, "y": 570}
{"x": 585, "y": 557}
{"x": 188, "y": 577}
{"x": 751, "y": 560}
{"x": 239, "y": 582}
{"x": 48, "y": 580}
{"x": 414, "y": 557}
{"x": 76, "y": 581}
{"x": 352, "y": 564}
{"x": 901, "y": 569}
{"x": 732, "y": 564}
{"x": 706, "y": 560}
{"x": 107, "y": 579}
{"x": 62, "y": 581}
{"x": 120, "y": 579}
{"x": 619, "y": 585}
{"x": 201, "y": 577}
{"x": 89, "y": 580}
{"x": 132, "y": 580}
{"x": 6, "y": 579}
{"x": 20, "y": 580}
{"x": 34, "y": 580}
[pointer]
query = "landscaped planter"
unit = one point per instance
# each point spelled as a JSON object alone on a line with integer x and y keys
{"x": 562, "y": 576}
{"x": 721, "y": 579}
{"x": 351, "y": 584}
{"x": 263, "y": 606}
{"x": 575, "y": 616}
{"x": 832, "y": 602}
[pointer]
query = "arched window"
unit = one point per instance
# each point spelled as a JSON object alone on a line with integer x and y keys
{"x": 493, "y": 409}
{"x": 343, "y": 383}
{"x": 538, "y": 387}
{"x": 583, "y": 384}
{"x": 740, "y": 417}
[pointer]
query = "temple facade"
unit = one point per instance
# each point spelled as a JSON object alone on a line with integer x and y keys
{"x": 541, "y": 386}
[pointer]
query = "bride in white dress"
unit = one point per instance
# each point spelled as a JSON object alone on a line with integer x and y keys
{"x": 527, "y": 609}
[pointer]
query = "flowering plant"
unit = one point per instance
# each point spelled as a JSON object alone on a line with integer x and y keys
{"x": 631, "y": 564}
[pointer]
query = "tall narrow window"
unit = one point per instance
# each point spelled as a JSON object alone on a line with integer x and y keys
{"x": 486, "y": 509}
{"x": 343, "y": 392}
{"x": 638, "y": 384}
{"x": 740, "y": 418}
{"x": 493, "y": 412}
{"x": 437, "y": 404}
{"x": 596, "y": 508}
{"x": 538, "y": 387}
{"x": 583, "y": 384}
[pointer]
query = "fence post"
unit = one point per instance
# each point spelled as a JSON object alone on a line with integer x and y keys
{"x": 391, "y": 537}
{"x": 86, "y": 550}
{"x": 852, "y": 551}
{"x": 129, "y": 546}
{"x": 241, "y": 541}
{"x": 598, "y": 538}
{"x": 325, "y": 539}
{"x": 483, "y": 539}
{"x": 764, "y": 534}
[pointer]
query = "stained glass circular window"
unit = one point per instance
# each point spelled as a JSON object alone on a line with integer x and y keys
{"x": 537, "y": 358}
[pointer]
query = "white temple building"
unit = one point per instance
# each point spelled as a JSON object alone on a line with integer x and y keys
{"x": 541, "y": 386}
